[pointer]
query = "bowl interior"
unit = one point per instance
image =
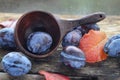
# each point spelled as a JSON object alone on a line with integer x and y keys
{"x": 36, "y": 21}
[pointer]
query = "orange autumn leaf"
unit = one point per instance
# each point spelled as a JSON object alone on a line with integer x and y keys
{"x": 92, "y": 44}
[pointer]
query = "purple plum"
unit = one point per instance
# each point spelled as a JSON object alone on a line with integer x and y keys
{"x": 73, "y": 57}
{"x": 39, "y": 42}
{"x": 112, "y": 46}
{"x": 16, "y": 64}
{"x": 7, "y": 40}
{"x": 72, "y": 38}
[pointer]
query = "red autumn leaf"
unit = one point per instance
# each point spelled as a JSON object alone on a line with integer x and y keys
{"x": 53, "y": 76}
{"x": 11, "y": 23}
{"x": 92, "y": 44}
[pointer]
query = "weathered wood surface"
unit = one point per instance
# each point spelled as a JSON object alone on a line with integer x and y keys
{"x": 105, "y": 70}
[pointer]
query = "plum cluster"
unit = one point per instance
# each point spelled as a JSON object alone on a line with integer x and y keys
{"x": 15, "y": 63}
{"x": 73, "y": 37}
{"x": 71, "y": 54}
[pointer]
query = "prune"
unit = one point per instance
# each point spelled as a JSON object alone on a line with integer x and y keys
{"x": 72, "y": 38}
{"x": 16, "y": 64}
{"x": 112, "y": 46}
{"x": 88, "y": 27}
{"x": 39, "y": 42}
{"x": 73, "y": 57}
{"x": 7, "y": 40}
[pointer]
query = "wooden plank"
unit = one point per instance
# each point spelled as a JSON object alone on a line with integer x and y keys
{"x": 100, "y": 68}
{"x": 5, "y": 76}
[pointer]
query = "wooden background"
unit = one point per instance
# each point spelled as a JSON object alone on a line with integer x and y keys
{"x": 105, "y": 70}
